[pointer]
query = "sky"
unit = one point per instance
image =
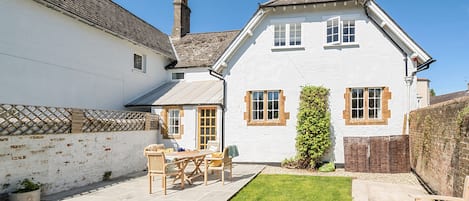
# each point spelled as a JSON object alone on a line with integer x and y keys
{"x": 441, "y": 28}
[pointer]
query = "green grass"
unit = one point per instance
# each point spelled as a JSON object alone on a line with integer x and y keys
{"x": 295, "y": 187}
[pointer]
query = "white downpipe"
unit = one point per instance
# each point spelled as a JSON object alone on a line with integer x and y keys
{"x": 408, "y": 82}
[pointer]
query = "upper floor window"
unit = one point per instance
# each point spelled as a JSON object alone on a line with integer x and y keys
{"x": 340, "y": 32}
{"x": 139, "y": 62}
{"x": 177, "y": 76}
{"x": 367, "y": 106}
{"x": 333, "y": 30}
{"x": 286, "y": 35}
{"x": 348, "y": 30}
{"x": 265, "y": 108}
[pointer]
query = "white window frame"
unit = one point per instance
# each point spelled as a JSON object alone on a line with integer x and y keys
{"x": 377, "y": 100}
{"x": 340, "y": 41}
{"x": 143, "y": 63}
{"x": 349, "y": 35}
{"x": 331, "y": 20}
{"x": 174, "y": 122}
{"x": 357, "y": 108}
{"x": 258, "y": 103}
{"x": 271, "y": 109}
{"x": 366, "y": 99}
{"x": 278, "y": 35}
{"x": 288, "y": 35}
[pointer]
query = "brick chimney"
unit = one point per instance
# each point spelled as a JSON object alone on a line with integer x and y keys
{"x": 182, "y": 18}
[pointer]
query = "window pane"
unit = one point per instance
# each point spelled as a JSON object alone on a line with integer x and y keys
{"x": 257, "y": 105}
{"x": 272, "y": 105}
{"x": 173, "y": 121}
{"x": 357, "y": 103}
{"x": 374, "y": 106}
{"x": 332, "y": 30}
{"x": 279, "y": 35}
{"x": 138, "y": 62}
{"x": 295, "y": 34}
{"x": 348, "y": 31}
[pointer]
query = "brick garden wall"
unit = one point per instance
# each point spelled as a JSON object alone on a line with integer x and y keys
{"x": 64, "y": 161}
{"x": 439, "y": 145}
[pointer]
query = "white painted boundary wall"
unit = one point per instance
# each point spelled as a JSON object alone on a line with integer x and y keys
{"x": 64, "y": 161}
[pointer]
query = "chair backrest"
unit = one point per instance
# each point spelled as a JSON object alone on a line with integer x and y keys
{"x": 153, "y": 147}
{"x": 213, "y": 145}
{"x": 465, "y": 193}
{"x": 156, "y": 162}
{"x": 226, "y": 157}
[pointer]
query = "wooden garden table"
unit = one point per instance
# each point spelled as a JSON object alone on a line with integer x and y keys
{"x": 197, "y": 157}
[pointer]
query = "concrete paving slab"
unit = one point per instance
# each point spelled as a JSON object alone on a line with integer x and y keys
{"x": 136, "y": 188}
{"x": 363, "y": 190}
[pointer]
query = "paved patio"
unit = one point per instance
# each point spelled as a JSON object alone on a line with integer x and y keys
{"x": 135, "y": 187}
{"x": 365, "y": 186}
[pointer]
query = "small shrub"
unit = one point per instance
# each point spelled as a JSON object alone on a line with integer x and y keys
{"x": 290, "y": 163}
{"x": 28, "y": 185}
{"x": 107, "y": 175}
{"x": 328, "y": 167}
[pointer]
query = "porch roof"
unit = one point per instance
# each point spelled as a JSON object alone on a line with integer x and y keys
{"x": 183, "y": 93}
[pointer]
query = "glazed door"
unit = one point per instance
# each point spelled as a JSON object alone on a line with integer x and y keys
{"x": 207, "y": 128}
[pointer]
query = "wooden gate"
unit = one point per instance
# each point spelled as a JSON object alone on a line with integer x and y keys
{"x": 386, "y": 154}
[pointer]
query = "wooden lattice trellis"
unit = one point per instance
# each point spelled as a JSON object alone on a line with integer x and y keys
{"x": 26, "y": 119}
{"x": 106, "y": 121}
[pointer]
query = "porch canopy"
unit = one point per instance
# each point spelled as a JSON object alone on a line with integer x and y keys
{"x": 208, "y": 92}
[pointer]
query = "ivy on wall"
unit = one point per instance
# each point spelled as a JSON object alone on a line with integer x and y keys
{"x": 313, "y": 128}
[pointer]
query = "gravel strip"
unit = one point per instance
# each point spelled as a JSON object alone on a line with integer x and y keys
{"x": 399, "y": 178}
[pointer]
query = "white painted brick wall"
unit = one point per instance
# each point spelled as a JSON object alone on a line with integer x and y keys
{"x": 65, "y": 161}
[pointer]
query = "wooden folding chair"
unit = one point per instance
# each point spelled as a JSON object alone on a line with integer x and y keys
{"x": 157, "y": 166}
{"x": 223, "y": 163}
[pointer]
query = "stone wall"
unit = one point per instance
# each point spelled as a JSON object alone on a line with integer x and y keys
{"x": 439, "y": 145}
{"x": 64, "y": 161}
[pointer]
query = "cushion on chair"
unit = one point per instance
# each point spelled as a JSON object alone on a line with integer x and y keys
{"x": 213, "y": 148}
{"x": 216, "y": 163}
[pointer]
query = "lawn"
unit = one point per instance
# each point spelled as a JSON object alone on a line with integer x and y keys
{"x": 295, "y": 187}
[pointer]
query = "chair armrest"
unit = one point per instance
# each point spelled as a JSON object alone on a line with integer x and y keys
{"x": 437, "y": 197}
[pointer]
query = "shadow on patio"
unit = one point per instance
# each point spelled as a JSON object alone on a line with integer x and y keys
{"x": 135, "y": 187}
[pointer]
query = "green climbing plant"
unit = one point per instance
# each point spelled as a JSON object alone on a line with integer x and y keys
{"x": 313, "y": 126}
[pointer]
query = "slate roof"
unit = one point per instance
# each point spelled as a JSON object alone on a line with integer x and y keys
{"x": 116, "y": 20}
{"x": 202, "y": 49}
{"x": 183, "y": 93}
{"x": 273, "y": 3}
{"x": 447, "y": 97}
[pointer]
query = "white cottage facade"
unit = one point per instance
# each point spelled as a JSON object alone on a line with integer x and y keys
{"x": 352, "y": 48}
{"x": 237, "y": 87}
{"x": 369, "y": 62}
